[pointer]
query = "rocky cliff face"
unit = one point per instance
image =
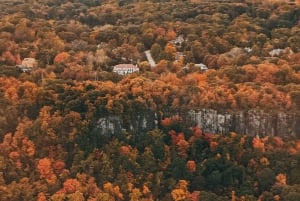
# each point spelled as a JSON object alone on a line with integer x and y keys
{"x": 137, "y": 123}
{"x": 252, "y": 122}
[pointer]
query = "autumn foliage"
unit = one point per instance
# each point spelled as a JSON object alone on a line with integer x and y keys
{"x": 72, "y": 129}
{"x": 61, "y": 57}
{"x": 46, "y": 171}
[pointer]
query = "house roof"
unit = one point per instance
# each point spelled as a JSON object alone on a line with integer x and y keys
{"x": 201, "y": 66}
{"x": 179, "y": 39}
{"x": 120, "y": 66}
{"x": 29, "y": 62}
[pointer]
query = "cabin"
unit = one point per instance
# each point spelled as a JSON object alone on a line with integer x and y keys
{"x": 124, "y": 69}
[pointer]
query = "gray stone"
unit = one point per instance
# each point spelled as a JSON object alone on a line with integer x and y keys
{"x": 251, "y": 122}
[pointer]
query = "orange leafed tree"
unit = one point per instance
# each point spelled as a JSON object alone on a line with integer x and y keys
{"x": 61, "y": 57}
{"x": 171, "y": 34}
{"x": 162, "y": 66}
{"x": 71, "y": 186}
{"x": 281, "y": 179}
{"x": 182, "y": 147}
{"x": 264, "y": 161}
{"x": 181, "y": 191}
{"x": 258, "y": 144}
{"x": 11, "y": 93}
{"x": 42, "y": 197}
{"x": 113, "y": 190}
{"x": 278, "y": 141}
{"x": 171, "y": 51}
{"x": 17, "y": 146}
{"x": 125, "y": 150}
{"x": 9, "y": 57}
{"x": 45, "y": 169}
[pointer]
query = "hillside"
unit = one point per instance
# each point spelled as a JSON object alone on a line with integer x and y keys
{"x": 204, "y": 104}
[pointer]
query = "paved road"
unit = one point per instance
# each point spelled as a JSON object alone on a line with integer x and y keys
{"x": 150, "y": 59}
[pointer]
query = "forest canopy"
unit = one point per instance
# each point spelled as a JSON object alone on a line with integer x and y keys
{"x": 58, "y": 86}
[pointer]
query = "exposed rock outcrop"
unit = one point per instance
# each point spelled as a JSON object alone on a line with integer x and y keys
{"x": 252, "y": 122}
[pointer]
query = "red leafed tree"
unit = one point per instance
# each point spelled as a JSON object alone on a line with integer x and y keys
{"x": 58, "y": 167}
{"x": 195, "y": 196}
{"x": 173, "y": 135}
{"x": 166, "y": 122}
{"x": 197, "y": 131}
{"x": 298, "y": 145}
{"x": 161, "y": 31}
{"x": 191, "y": 166}
{"x": 125, "y": 150}
{"x": 170, "y": 120}
{"x": 213, "y": 145}
{"x": 180, "y": 136}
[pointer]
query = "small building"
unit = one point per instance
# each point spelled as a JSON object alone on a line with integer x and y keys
{"x": 24, "y": 69}
{"x": 201, "y": 66}
{"x": 278, "y": 52}
{"x": 27, "y": 65}
{"x": 248, "y": 49}
{"x": 124, "y": 69}
{"x": 29, "y": 62}
{"x": 178, "y": 41}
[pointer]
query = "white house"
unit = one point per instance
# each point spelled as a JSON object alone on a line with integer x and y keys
{"x": 278, "y": 52}
{"x": 248, "y": 49}
{"x": 124, "y": 69}
{"x": 201, "y": 66}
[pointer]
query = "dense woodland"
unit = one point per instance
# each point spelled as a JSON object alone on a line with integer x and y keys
{"x": 48, "y": 147}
